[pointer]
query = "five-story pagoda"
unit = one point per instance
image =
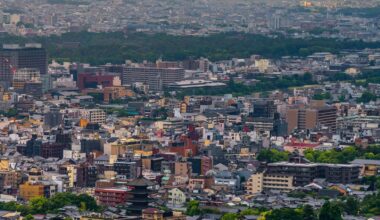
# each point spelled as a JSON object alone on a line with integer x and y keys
{"x": 140, "y": 193}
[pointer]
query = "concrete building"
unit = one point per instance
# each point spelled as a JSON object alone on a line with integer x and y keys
{"x": 126, "y": 169}
{"x": 369, "y": 167}
{"x": 96, "y": 116}
{"x": 33, "y": 88}
{"x": 305, "y": 173}
{"x": 23, "y": 76}
{"x": 14, "y": 57}
{"x": 262, "y": 181}
{"x": 93, "y": 80}
{"x": 31, "y": 190}
{"x": 311, "y": 117}
{"x": 155, "y": 78}
{"x": 111, "y": 196}
{"x": 176, "y": 197}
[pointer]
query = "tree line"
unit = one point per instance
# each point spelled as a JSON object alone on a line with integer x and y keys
{"x": 116, "y": 47}
{"x": 42, "y": 205}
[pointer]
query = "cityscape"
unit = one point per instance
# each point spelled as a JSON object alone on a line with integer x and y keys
{"x": 190, "y": 109}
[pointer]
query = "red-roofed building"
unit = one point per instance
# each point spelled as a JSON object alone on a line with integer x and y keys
{"x": 299, "y": 146}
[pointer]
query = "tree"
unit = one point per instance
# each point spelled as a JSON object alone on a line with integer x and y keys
{"x": 250, "y": 212}
{"x": 333, "y": 156}
{"x": 39, "y": 205}
{"x": 342, "y": 98}
{"x": 336, "y": 211}
{"x": 87, "y": 202}
{"x": 284, "y": 214}
{"x": 308, "y": 213}
{"x": 370, "y": 205}
{"x": 367, "y": 97}
{"x": 192, "y": 208}
{"x": 352, "y": 206}
{"x": 322, "y": 96}
{"x": 29, "y": 217}
{"x": 324, "y": 213}
{"x": 230, "y": 216}
{"x": 272, "y": 155}
{"x": 330, "y": 212}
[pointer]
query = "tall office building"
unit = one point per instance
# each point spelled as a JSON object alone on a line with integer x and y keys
{"x": 155, "y": 78}
{"x": 14, "y": 57}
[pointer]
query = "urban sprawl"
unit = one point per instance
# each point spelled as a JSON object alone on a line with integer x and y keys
{"x": 293, "y": 136}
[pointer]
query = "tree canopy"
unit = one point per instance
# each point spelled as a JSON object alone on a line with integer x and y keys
{"x": 272, "y": 155}
{"x": 116, "y": 47}
{"x": 42, "y": 205}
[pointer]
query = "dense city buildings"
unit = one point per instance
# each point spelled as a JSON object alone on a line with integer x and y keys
{"x": 203, "y": 109}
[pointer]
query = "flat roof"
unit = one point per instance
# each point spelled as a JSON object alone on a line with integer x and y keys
{"x": 365, "y": 161}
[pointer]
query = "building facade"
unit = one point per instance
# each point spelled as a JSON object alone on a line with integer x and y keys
{"x": 155, "y": 78}
{"x": 262, "y": 181}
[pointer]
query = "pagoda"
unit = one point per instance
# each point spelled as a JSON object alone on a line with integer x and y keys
{"x": 140, "y": 193}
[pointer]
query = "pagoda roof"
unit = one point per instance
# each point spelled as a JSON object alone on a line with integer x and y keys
{"x": 140, "y": 181}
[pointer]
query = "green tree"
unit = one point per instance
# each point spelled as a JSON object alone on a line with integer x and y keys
{"x": 284, "y": 214}
{"x": 371, "y": 204}
{"x": 192, "y": 208}
{"x": 324, "y": 213}
{"x": 230, "y": 216}
{"x": 352, "y": 206}
{"x": 308, "y": 213}
{"x": 336, "y": 211}
{"x": 250, "y": 212}
{"x": 29, "y": 217}
{"x": 330, "y": 212}
{"x": 342, "y": 98}
{"x": 333, "y": 156}
{"x": 322, "y": 96}
{"x": 87, "y": 202}
{"x": 272, "y": 155}
{"x": 39, "y": 205}
{"x": 367, "y": 97}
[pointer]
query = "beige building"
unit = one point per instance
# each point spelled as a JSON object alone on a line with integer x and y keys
{"x": 30, "y": 190}
{"x": 176, "y": 197}
{"x": 94, "y": 115}
{"x": 182, "y": 168}
{"x": 261, "y": 182}
{"x": 308, "y": 118}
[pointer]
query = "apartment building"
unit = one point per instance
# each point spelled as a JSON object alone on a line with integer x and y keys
{"x": 155, "y": 78}
{"x": 305, "y": 173}
{"x": 96, "y": 116}
{"x": 260, "y": 182}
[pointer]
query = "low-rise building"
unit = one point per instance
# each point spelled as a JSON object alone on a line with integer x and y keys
{"x": 111, "y": 196}
{"x": 176, "y": 197}
{"x": 369, "y": 167}
{"x": 262, "y": 181}
{"x": 30, "y": 190}
{"x": 305, "y": 173}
